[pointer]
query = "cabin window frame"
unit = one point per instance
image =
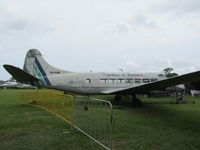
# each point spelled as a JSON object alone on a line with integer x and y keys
{"x": 129, "y": 81}
{"x": 146, "y": 80}
{"x": 88, "y": 81}
{"x": 138, "y": 80}
{"x": 103, "y": 80}
{"x": 154, "y": 79}
{"x": 122, "y": 81}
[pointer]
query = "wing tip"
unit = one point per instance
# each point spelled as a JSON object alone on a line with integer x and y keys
{"x": 7, "y": 66}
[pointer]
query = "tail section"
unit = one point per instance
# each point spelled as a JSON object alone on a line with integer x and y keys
{"x": 36, "y": 65}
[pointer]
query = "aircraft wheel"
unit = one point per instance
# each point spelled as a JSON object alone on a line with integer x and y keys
{"x": 137, "y": 103}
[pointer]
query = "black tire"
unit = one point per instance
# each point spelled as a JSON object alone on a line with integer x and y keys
{"x": 137, "y": 103}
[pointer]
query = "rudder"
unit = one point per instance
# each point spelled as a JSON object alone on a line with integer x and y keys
{"x": 35, "y": 65}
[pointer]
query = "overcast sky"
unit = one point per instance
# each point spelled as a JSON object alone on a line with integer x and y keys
{"x": 102, "y": 35}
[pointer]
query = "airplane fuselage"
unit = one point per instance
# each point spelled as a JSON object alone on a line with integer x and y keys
{"x": 95, "y": 83}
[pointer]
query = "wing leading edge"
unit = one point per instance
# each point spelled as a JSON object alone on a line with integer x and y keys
{"x": 145, "y": 88}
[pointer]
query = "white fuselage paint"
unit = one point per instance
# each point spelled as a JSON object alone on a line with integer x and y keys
{"x": 95, "y": 83}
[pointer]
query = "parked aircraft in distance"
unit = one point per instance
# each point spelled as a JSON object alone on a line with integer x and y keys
{"x": 14, "y": 84}
{"x": 9, "y": 84}
{"x": 38, "y": 72}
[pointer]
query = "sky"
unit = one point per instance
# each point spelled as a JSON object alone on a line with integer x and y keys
{"x": 102, "y": 35}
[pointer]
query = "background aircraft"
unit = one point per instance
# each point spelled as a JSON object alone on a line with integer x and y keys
{"x": 38, "y": 72}
{"x": 9, "y": 84}
{"x": 14, "y": 84}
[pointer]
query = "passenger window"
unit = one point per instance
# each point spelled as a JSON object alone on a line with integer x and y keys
{"x": 129, "y": 80}
{"x": 103, "y": 80}
{"x": 116, "y": 81}
{"x": 138, "y": 80}
{"x": 154, "y": 80}
{"x": 88, "y": 80}
{"x": 111, "y": 81}
{"x": 146, "y": 80}
{"x": 122, "y": 80}
{"x": 161, "y": 75}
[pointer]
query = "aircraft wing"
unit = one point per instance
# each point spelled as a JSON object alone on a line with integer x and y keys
{"x": 158, "y": 85}
{"x": 22, "y": 76}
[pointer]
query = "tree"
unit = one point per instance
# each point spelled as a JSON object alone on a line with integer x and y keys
{"x": 168, "y": 72}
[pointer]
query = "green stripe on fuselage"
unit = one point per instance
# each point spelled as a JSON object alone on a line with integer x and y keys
{"x": 38, "y": 74}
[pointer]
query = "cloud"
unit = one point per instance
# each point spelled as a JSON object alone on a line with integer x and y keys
{"x": 14, "y": 24}
{"x": 179, "y": 64}
{"x": 122, "y": 28}
{"x": 142, "y": 21}
{"x": 186, "y": 5}
{"x": 124, "y": 33}
{"x": 178, "y": 6}
{"x": 131, "y": 63}
{"x": 137, "y": 21}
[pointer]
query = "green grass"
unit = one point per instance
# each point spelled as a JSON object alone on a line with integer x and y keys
{"x": 24, "y": 127}
{"x": 158, "y": 125}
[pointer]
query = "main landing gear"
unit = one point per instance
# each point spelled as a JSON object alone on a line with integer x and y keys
{"x": 136, "y": 102}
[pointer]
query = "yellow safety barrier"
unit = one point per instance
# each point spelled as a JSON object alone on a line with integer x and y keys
{"x": 59, "y": 104}
{"x": 92, "y": 117}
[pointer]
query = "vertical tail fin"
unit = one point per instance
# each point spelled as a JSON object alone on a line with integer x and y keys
{"x": 36, "y": 65}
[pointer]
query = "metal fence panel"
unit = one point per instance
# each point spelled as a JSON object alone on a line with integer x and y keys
{"x": 94, "y": 119}
{"x": 91, "y": 116}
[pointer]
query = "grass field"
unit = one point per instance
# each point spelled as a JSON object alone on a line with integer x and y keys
{"x": 158, "y": 125}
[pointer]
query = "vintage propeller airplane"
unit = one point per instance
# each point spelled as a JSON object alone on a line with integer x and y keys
{"x": 38, "y": 72}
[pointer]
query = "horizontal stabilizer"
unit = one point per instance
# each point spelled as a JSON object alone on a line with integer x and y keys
{"x": 22, "y": 76}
